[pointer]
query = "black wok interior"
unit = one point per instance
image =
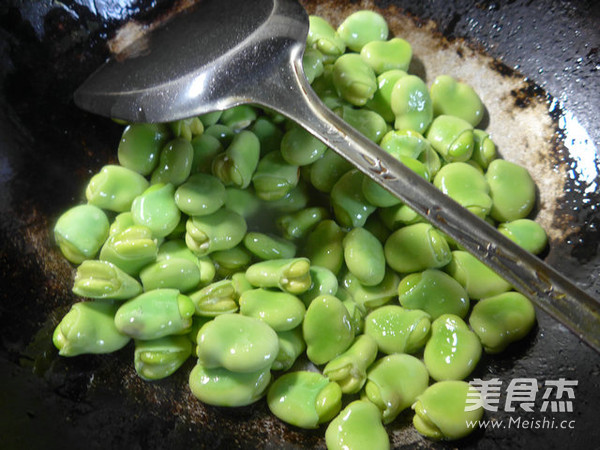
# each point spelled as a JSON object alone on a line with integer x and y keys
{"x": 49, "y": 149}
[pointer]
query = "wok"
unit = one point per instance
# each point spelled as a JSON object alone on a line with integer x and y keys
{"x": 535, "y": 65}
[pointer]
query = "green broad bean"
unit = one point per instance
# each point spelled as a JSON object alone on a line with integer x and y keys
{"x": 154, "y": 314}
{"x": 441, "y": 412}
{"x": 394, "y": 382}
{"x": 415, "y": 248}
{"x": 175, "y": 163}
{"x": 512, "y": 190}
{"x": 104, "y": 280}
{"x": 372, "y": 296}
{"x": 362, "y": 27}
{"x": 326, "y": 329}
{"x": 291, "y": 346}
{"x": 176, "y": 273}
{"x": 239, "y": 117}
{"x": 114, "y": 188}
{"x": 364, "y": 257}
{"x": 88, "y": 327}
{"x": 295, "y": 200}
{"x": 242, "y": 201}
{"x": 466, "y": 185}
{"x": 220, "y": 297}
{"x": 156, "y": 209}
{"x": 280, "y": 310}
{"x": 268, "y": 133}
{"x": 369, "y": 123}
{"x": 484, "y": 149}
{"x": 411, "y": 104}
{"x": 208, "y": 270}
{"x": 274, "y": 177}
{"x": 121, "y": 222}
{"x": 453, "y": 350}
{"x": 434, "y": 292}
{"x": 80, "y": 232}
{"x": 237, "y": 164}
{"x": 454, "y": 98}
{"x": 304, "y": 399}
{"x": 200, "y": 195}
{"x": 353, "y": 79}
{"x": 325, "y": 172}
{"x": 324, "y": 38}
{"x": 395, "y": 217}
{"x": 237, "y": 343}
{"x": 197, "y": 323}
{"x": 350, "y": 206}
{"x": 176, "y": 248}
{"x": 324, "y": 246}
{"x": 358, "y": 426}
{"x": 221, "y": 230}
{"x": 210, "y": 118}
{"x": 269, "y": 246}
{"x": 230, "y": 261}
{"x": 398, "y": 330}
{"x": 159, "y": 358}
{"x": 299, "y": 147}
{"x": 221, "y": 132}
{"x": 502, "y": 319}
{"x": 381, "y": 102}
{"x": 452, "y": 137}
{"x": 526, "y": 233}
{"x": 349, "y": 369}
{"x": 140, "y": 146}
{"x": 240, "y": 283}
{"x": 298, "y": 224}
{"x": 187, "y": 128}
{"x": 131, "y": 249}
{"x": 312, "y": 63}
{"x": 409, "y": 143}
{"x": 323, "y": 282}
{"x": 221, "y": 387}
{"x": 383, "y": 56}
{"x": 478, "y": 279}
{"x": 291, "y": 275}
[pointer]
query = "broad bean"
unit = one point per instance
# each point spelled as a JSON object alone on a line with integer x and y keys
{"x": 154, "y": 314}
{"x": 304, "y": 399}
{"x": 237, "y": 343}
{"x": 398, "y": 330}
{"x": 89, "y": 327}
{"x": 114, "y": 188}
{"x": 501, "y": 320}
{"x": 102, "y": 279}
{"x": 326, "y": 329}
{"x": 80, "y": 232}
{"x": 442, "y": 412}
{"x": 394, "y": 382}
{"x": 159, "y": 358}
{"x": 357, "y": 426}
{"x": 280, "y": 310}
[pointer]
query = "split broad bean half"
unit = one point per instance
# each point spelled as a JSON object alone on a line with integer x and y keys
{"x": 242, "y": 243}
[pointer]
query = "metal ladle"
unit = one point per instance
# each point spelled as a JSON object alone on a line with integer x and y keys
{"x": 222, "y": 53}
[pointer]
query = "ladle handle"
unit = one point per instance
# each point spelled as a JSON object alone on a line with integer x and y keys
{"x": 528, "y": 274}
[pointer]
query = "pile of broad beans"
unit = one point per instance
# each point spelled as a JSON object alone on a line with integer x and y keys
{"x": 239, "y": 240}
